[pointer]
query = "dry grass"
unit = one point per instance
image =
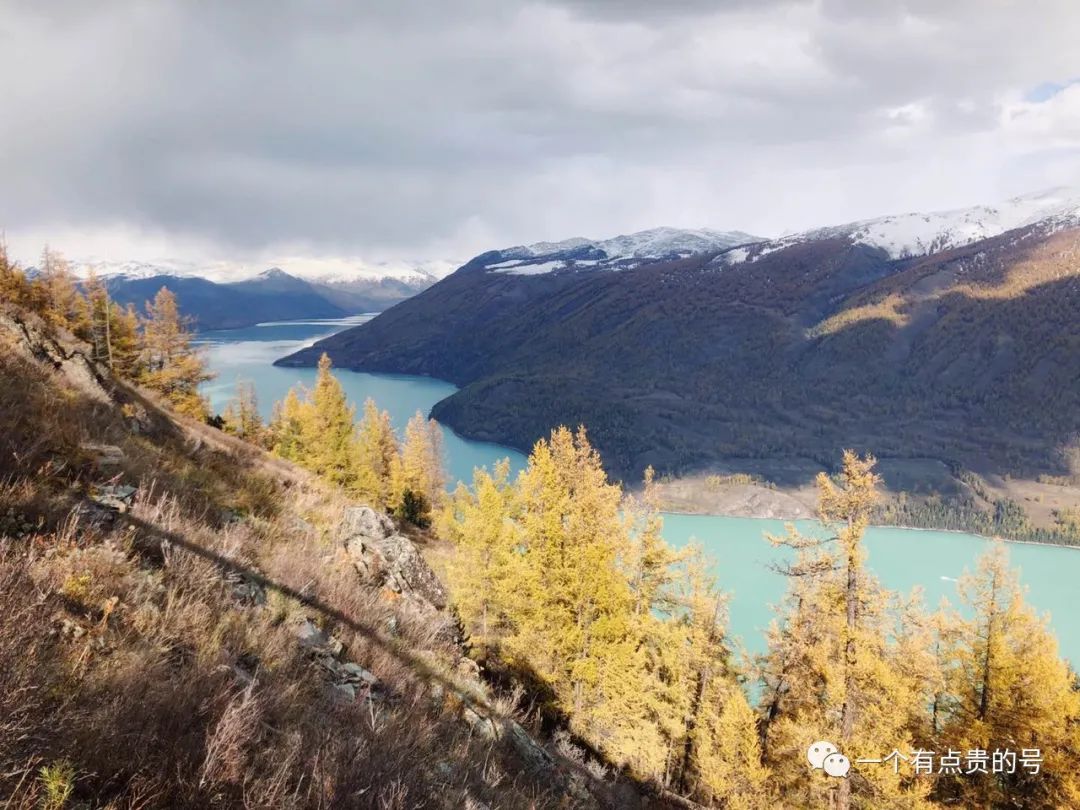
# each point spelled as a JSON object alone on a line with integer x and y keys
{"x": 132, "y": 677}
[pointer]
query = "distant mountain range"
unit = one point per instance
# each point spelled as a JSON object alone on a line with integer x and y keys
{"x": 272, "y": 295}
{"x": 952, "y": 336}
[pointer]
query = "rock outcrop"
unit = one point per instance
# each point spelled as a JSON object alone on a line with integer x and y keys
{"x": 33, "y": 340}
{"x": 385, "y": 558}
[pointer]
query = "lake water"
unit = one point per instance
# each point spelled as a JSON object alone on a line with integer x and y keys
{"x": 902, "y": 558}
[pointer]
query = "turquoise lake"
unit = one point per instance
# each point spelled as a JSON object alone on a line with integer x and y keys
{"x": 901, "y": 558}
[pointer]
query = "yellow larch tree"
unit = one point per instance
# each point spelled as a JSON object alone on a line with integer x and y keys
{"x": 832, "y": 667}
{"x": 418, "y": 480}
{"x": 241, "y": 416}
{"x": 327, "y": 427}
{"x": 59, "y": 289}
{"x": 171, "y": 364}
{"x": 482, "y": 524}
{"x": 375, "y": 449}
{"x": 1009, "y": 690}
{"x": 572, "y": 610}
{"x": 287, "y": 422}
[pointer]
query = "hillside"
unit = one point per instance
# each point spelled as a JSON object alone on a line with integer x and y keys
{"x": 722, "y": 361}
{"x": 186, "y": 621}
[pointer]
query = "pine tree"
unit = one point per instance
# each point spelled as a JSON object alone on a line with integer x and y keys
{"x": 374, "y": 452}
{"x": 171, "y": 364}
{"x": 1007, "y": 688}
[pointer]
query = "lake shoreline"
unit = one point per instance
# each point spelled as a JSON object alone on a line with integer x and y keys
{"x": 964, "y": 532}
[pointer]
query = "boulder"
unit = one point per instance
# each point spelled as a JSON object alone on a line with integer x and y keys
{"x": 384, "y": 558}
{"x": 118, "y": 497}
{"x": 103, "y": 455}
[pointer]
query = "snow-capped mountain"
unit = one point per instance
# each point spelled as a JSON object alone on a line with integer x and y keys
{"x": 910, "y": 235}
{"x": 620, "y": 252}
{"x": 323, "y": 271}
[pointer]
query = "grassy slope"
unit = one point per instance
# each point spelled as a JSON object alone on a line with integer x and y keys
{"x": 125, "y": 653}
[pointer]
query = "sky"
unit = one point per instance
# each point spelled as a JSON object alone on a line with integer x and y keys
{"x": 412, "y": 132}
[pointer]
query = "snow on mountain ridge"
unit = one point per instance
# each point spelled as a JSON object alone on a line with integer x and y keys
{"x": 905, "y": 236}
{"x": 323, "y": 271}
{"x": 652, "y": 244}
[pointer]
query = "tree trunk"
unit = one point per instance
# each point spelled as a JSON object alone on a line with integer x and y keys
{"x": 847, "y": 713}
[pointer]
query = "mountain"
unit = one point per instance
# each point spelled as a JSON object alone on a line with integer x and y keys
{"x": 620, "y": 253}
{"x": 273, "y": 295}
{"x": 953, "y": 337}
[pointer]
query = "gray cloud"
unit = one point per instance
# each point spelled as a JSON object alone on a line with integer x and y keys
{"x": 412, "y": 128}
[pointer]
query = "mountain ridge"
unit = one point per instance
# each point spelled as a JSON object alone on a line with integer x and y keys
{"x": 270, "y": 296}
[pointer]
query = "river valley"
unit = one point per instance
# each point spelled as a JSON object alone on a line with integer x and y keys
{"x": 902, "y": 558}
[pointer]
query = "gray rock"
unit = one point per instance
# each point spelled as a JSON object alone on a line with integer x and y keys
{"x": 363, "y": 521}
{"x": 483, "y": 726}
{"x": 384, "y": 558}
{"x": 104, "y": 455}
{"x": 118, "y": 497}
{"x": 345, "y": 690}
{"x": 309, "y": 635}
{"x": 355, "y": 672}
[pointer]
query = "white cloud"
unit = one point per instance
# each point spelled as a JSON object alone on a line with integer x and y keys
{"x": 403, "y": 131}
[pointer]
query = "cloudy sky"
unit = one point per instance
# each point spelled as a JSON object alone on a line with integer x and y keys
{"x": 412, "y": 130}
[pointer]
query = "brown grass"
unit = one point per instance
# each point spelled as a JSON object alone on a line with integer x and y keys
{"x": 131, "y": 673}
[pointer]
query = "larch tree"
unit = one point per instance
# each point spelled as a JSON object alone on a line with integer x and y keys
{"x": 171, "y": 363}
{"x": 241, "y": 416}
{"x": 727, "y": 756}
{"x": 15, "y": 287}
{"x": 375, "y": 449}
{"x": 1009, "y": 690}
{"x": 832, "y": 667}
{"x": 287, "y": 422}
{"x": 482, "y": 523}
{"x": 60, "y": 290}
{"x": 572, "y": 610}
{"x": 328, "y": 431}
{"x": 418, "y": 480}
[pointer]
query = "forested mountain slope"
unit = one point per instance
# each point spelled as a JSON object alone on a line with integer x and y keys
{"x": 969, "y": 355}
